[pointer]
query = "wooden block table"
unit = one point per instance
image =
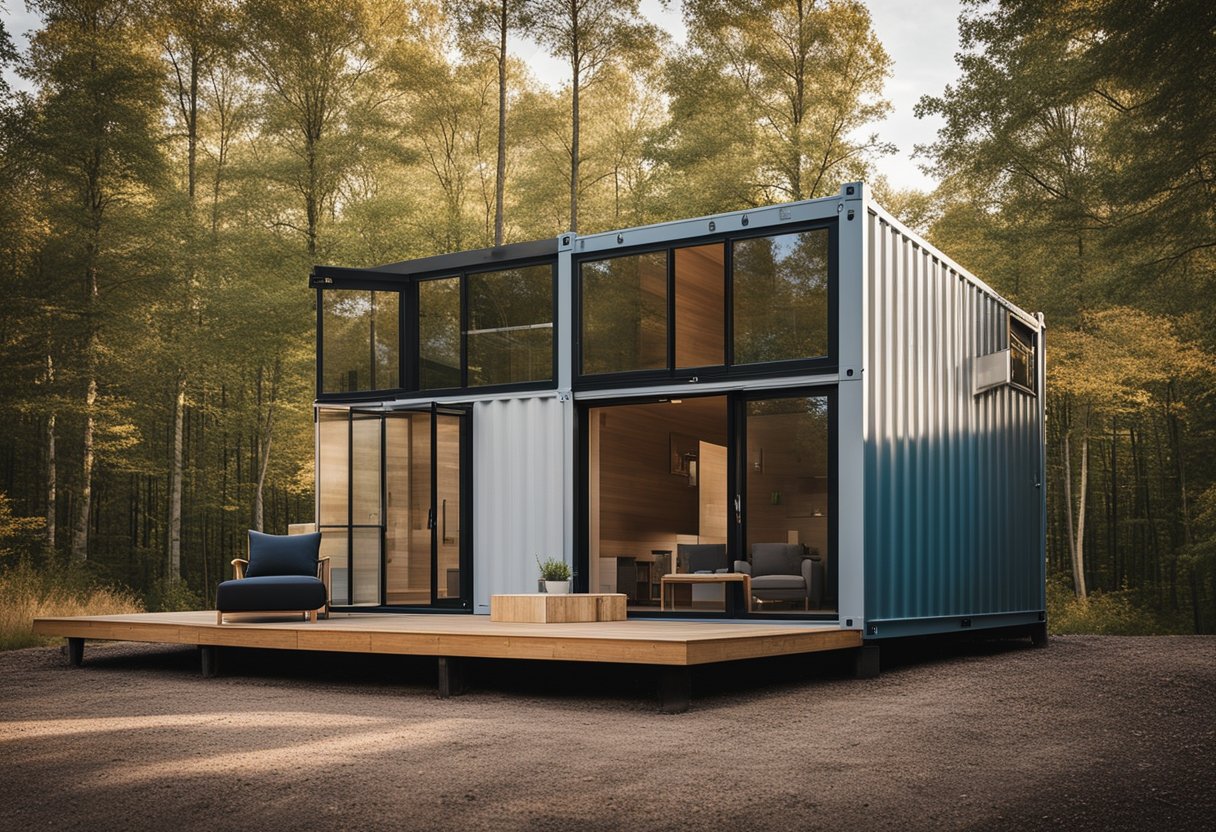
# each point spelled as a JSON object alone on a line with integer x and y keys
{"x": 542, "y": 608}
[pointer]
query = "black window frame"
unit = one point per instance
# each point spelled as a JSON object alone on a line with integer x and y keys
{"x": 332, "y": 278}
{"x": 1028, "y": 339}
{"x": 728, "y": 370}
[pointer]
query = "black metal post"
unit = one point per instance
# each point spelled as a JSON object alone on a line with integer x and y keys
{"x": 75, "y": 651}
{"x": 451, "y": 677}
{"x": 865, "y": 662}
{"x": 209, "y": 658}
{"x": 675, "y": 689}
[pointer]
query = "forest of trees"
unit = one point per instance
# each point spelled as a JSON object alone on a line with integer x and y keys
{"x": 170, "y": 171}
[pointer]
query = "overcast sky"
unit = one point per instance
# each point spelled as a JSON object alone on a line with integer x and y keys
{"x": 921, "y": 37}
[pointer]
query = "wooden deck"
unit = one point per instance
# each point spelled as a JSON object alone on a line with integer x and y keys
{"x": 665, "y": 643}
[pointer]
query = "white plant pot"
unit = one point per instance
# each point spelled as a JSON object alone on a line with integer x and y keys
{"x": 557, "y": 587}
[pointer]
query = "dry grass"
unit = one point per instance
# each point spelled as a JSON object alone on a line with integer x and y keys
{"x": 27, "y": 593}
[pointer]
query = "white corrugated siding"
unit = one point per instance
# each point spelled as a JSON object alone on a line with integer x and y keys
{"x": 519, "y": 456}
{"x": 952, "y": 511}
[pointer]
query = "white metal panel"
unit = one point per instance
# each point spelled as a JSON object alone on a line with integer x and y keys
{"x": 519, "y": 509}
{"x": 850, "y": 408}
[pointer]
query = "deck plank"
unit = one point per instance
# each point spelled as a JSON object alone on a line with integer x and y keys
{"x": 637, "y": 642}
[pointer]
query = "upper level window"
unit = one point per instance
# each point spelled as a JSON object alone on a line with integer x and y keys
{"x": 624, "y": 320}
{"x": 360, "y": 342}
{"x": 780, "y": 297}
{"x": 439, "y": 333}
{"x": 510, "y": 326}
{"x": 1021, "y": 354}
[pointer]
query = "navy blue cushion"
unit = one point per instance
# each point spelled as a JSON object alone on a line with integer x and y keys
{"x": 270, "y": 594}
{"x": 290, "y": 554}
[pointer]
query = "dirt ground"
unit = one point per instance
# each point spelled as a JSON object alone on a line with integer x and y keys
{"x": 1091, "y": 733}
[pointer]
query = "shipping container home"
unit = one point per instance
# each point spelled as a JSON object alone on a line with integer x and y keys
{"x": 808, "y": 396}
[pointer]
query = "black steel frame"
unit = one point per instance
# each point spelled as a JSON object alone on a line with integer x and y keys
{"x": 736, "y": 432}
{"x": 329, "y": 278}
{"x": 465, "y": 602}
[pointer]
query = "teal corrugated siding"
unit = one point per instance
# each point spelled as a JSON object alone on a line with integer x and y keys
{"x": 952, "y": 507}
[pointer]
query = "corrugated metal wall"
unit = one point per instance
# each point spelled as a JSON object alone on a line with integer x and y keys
{"x": 952, "y": 524}
{"x": 518, "y": 505}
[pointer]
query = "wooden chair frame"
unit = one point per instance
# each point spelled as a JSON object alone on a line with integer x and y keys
{"x": 238, "y": 573}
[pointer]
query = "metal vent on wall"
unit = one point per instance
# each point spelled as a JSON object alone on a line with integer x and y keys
{"x": 992, "y": 370}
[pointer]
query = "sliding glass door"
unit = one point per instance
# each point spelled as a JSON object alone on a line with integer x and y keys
{"x": 683, "y": 494}
{"x": 392, "y": 506}
{"x": 786, "y": 502}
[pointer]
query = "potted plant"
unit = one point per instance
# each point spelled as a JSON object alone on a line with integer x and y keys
{"x": 556, "y": 575}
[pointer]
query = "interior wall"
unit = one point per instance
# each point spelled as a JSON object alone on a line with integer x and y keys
{"x": 641, "y": 505}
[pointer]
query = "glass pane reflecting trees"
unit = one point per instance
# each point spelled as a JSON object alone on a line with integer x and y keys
{"x": 781, "y": 297}
{"x": 439, "y": 333}
{"x": 360, "y": 343}
{"x": 510, "y": 335}
{"x": 624, "y": 319}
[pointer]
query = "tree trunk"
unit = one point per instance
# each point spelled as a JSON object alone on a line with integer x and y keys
{"x": 1078, "y": 577}
{"x": 266, "y": 433}
{"x": 1081, "y": 504}
{"x": 80, "y": 536}
{"x": 500, "y": 171}
{"x": 575, "y": 61}
{"x": 175, "y": 482}
{"x": 51, "y": 474}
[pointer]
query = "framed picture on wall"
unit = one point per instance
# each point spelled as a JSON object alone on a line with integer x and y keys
{"x": 683, "y": 453}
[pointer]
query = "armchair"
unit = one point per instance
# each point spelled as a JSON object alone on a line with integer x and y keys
{"x": 282, "y": 574}
{"x": 784, "y": 572}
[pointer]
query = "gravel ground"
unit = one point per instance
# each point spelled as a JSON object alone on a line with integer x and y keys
{"x": 1091, "y": 733}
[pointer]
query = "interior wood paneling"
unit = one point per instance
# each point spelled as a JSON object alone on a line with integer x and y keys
{"x": 712, "y": 498}
{"x": 641, "y": 505}
{"x": 700, "y": 305}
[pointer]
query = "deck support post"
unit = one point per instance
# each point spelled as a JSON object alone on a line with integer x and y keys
{"x": 865, "y": 661}
{"x": 75, "y": 651}
{"x": 451, "y": 677}
{"x": 1038, "y": 634}
{"x": 675, "y": 688}
{"x": 209, "y": 659}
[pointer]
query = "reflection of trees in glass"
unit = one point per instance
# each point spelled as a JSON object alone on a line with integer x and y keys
{"x": 781, "y": 297}
{"x": 361, "y": 340}
{"x": 802, "y": 424}
{"x": 625, "y": 313}
{"x": 510, "y": 337}
{"x": 439, "y": 333}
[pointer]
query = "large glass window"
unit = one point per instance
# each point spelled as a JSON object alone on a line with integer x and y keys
{"x": 624, "y": 318}
{"x": 781, "y": 297}
{"x": 510, "y": 335}
{"x": 700, "y": 305}
{"x": 360, "y": 340}
{"x": 439, "y": 333}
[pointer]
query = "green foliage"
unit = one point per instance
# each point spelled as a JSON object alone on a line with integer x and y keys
{"x": 1075, "y": 167}
{"x": 168, "y": 595}
{"x": 19, "y": 536}
{"x": 553, "y": 569}
{"x": 1116, "y": 613}
{"x": 28, "y": 593}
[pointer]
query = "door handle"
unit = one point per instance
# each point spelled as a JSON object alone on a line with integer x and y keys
{"x": 738, "y": 509}
{"x": 430, "y": 517}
